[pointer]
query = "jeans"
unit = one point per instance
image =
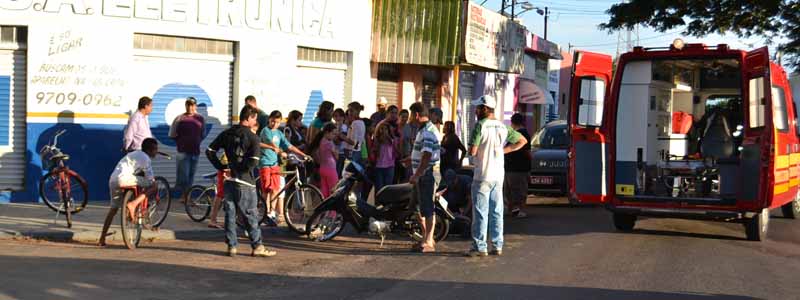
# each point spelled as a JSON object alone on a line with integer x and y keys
{"x": 487, "y": 214}
{"x": 383, "y": 177}
{"x": 244, "y": 198}
{"x": 186, "y": 167}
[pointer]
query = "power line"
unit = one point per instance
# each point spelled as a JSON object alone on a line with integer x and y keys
{"x": 645, "y": 38}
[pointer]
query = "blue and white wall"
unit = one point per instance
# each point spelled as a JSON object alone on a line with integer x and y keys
{"x": 84, "y": 75}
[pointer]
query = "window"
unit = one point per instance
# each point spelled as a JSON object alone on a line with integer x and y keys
{"x": 756, "y": 102}
{"x": 780, "y": 116}
{"x": 181, "y": 44}
{"x": 590, "y": 102}
{"x": 322, "y": 55}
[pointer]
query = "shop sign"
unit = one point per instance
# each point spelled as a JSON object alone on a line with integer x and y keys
{"x": 493, "y": 41}
{"x": 528, "y": 92}
{"x": 308, "y": 17}
{"x": 77, "y": 69}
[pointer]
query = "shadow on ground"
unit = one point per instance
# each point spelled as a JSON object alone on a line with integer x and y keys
{"x": 64, "y": 278}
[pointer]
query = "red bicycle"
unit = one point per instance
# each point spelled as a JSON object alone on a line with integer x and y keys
{"x": 148, "y": 214}
{"x": 61, "y": 189}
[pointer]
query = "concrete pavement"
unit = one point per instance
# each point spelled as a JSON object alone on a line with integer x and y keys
{"x": 557, "y": 253}
{"x": 28, "y": 220}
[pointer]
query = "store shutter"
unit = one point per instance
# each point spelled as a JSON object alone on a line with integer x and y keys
{"x": 12, "y": 119}
{"x": 169, "y": 80}
{"x": 388, "y": 83}
{"x": 321, "y": 84}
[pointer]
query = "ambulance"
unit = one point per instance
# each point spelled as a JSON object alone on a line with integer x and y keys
{"x": 685, "y": 131}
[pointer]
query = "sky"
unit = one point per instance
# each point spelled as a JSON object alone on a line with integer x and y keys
{"x": 575, "y": 22}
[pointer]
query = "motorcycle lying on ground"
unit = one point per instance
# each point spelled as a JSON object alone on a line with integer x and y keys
{"x": 395, "y": 211}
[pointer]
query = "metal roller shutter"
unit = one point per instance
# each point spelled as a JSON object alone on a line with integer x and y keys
{"x": 169, "y": 80}
{"x": 321, "y": 84}
{"x": 388, "y": 86}
{"x": 12, "y": 119}
{"x": 465, "y": 95}
{"x": 388, "y": 90}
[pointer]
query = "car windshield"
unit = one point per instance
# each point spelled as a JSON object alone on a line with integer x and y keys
{"x": 554, "y": 137}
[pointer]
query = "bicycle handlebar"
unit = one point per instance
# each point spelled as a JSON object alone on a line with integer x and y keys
{"x": 167, "y": 156}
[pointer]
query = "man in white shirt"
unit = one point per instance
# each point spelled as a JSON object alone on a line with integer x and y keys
{"x": 132, "y": 170}
{"x": 356, "y": 133}
{"x": 138, "y": 127}
{"x": 489, "y": 142}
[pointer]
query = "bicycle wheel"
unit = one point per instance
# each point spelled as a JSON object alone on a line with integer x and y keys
{"x": 300, "y": 206}
{"x": 324, "y": 225}
{"x": 50, "y": 188}
{"x": 199, "y": 200}
{"x": 160, "y": 202}
{"x": 131, "y": 229}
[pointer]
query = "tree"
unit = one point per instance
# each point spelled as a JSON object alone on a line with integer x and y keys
{"x": 770, "y": 19}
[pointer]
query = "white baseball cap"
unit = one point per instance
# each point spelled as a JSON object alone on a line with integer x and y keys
{"x": 485, "y": 100}
{"x": 383, "y": 101}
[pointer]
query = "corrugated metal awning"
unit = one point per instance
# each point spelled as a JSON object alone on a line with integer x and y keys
{"x": 421, "y": 32}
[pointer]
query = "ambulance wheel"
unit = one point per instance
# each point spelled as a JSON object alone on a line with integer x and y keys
{"x": 624, "y": 222}
{"x": 791, "y": 210}
{"x": 756, "y": 227}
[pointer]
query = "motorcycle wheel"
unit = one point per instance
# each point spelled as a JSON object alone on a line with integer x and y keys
{"x": 441, "y": 227}
{"x": 324, "y": 225}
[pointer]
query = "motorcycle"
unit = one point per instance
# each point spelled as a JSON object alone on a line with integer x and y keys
{"x": 395, "y": 211}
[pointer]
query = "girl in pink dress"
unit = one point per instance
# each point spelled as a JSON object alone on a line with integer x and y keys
{"x": 326, "y": 154}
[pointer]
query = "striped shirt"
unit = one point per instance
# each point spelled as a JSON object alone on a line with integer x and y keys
{"x": 426, "y": 141}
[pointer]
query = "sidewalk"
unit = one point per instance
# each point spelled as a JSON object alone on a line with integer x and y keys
{"x": 31, "y": 220}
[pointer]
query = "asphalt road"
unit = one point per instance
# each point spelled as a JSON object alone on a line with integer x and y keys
{"x": 556, "y": 253}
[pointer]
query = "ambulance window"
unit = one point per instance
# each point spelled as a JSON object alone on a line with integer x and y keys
{"x": 590, "y": 102}
{"x": 756, "y": 102}
{"x": 779, "y": 112}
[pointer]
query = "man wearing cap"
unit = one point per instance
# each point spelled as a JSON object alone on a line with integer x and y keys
{"x": 188, "y": 130}
{"x": 489, "y": 141}
{"x": 379, "y": 115}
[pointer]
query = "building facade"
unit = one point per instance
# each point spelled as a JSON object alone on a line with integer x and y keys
{"x": 82, "y": 65}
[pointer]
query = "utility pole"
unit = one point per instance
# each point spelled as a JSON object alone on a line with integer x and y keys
{"x": 546, "y": 14}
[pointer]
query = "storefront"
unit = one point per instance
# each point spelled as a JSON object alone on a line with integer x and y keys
{"x": 82, "y": 66}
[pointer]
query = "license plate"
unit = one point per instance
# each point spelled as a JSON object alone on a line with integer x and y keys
{"x": 541, "y": 179}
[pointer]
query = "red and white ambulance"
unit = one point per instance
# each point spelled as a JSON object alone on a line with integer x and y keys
{"x": 686, "y": 131}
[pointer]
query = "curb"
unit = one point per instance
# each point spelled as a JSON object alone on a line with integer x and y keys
{"x": 92, "y": 236}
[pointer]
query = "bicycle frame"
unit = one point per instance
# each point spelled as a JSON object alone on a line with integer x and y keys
{"x": 142, "y": 207}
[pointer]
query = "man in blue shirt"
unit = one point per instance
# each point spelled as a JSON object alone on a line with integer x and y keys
{"x": 273, "y": 144}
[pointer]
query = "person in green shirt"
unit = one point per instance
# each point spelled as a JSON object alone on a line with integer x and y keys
{"x": 489, "y": 141}
{"x": 324, "y": 115}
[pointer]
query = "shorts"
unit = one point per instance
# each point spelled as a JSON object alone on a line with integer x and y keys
{"x": 515, "y": 187}
{"x": 220, "y": 184}
{"x": 270, "y": 178}
{"x": 117, "y": 192}
{"x": 425, "y": 188}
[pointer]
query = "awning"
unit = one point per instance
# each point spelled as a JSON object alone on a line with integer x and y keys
{"x": 540, "y": 45}
{"x": 528, "y": 92}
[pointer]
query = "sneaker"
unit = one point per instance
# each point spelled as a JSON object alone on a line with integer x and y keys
{"x": 475, "y": 253}
{"x": 518, "y": 213}
{"x": 262, "y": 251}
{"x": 232, "y": 251}
{"x": 497, "y": 252}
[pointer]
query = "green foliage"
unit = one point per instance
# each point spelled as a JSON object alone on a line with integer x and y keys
{"x": 770, "y": 19}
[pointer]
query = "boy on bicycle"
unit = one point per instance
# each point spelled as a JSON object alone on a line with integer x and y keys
{"x": 132, "y": 170}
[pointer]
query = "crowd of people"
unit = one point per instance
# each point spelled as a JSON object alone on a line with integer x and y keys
{"x": 397, "y": 146}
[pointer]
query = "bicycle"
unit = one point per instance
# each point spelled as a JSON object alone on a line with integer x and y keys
{"x": 200, "y": 200}
{"x": 132, "y": 228}
{"x": 61, "y": 183}
{"x": 300, "y": 204}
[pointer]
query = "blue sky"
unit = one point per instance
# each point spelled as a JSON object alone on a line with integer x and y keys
{"x": 575, "y": 22}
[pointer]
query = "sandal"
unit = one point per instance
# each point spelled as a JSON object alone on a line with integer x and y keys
{"x": 215, "y": 226}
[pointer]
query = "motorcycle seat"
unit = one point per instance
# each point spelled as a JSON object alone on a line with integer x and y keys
{"x": 395, "y": 193}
